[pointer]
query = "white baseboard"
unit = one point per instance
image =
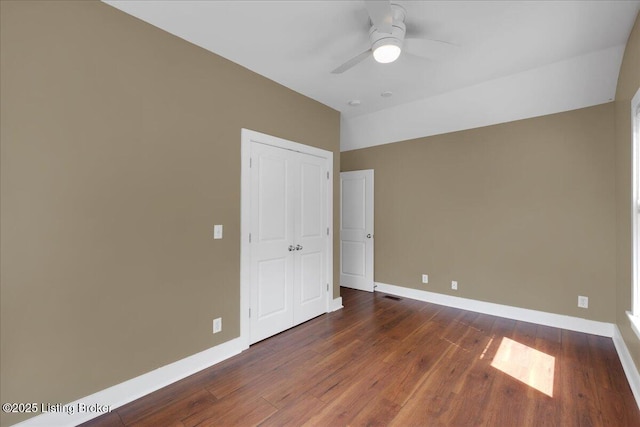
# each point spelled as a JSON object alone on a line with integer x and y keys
{"x": 73, "y": 414}
{"x": 526, "y": 315}
{"x": 336, "y": 304}
{"x": 630, "y": 370}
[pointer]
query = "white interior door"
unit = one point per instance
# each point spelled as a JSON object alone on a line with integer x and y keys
{"x": 289, "y": 239}
{"x": 309, "y": 294}
{"x": 272, "y": 225}
{"x": 356, "y": 230}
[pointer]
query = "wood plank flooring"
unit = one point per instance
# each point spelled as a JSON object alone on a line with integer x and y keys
{"x": 381, "y": 361}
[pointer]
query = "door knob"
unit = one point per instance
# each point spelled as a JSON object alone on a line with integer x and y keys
{"x": 369, "y": 236}
{"x": 291, "y": 248}
{"x": 298, "y": 248}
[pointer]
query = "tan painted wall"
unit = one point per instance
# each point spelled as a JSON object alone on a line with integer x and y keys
{"x": 120, "y": 150}
{"x": 521, "y": 213}
{"x": 628, "y": 84}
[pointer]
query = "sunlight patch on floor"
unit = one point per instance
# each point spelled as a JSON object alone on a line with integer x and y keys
{"x": 526, "y": 364}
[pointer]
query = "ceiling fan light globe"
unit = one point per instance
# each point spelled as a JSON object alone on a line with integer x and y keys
{"x": 386, "y": 53}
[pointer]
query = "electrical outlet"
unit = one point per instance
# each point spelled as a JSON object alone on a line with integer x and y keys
{"x": 217, "y": 325}
{"x": 217, "y": 231}
{"x": 583, "y": 302}
{"x": 425, "y": 278}
{"x": 454, "y": 285}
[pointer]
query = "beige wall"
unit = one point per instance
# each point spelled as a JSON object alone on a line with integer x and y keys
{"x": 628, "y": 84}
{"x": 521, "y": 213}
{"x": 120, "y": 150}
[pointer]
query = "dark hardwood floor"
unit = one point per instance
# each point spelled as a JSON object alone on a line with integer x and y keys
{"x": 382, "y": 361}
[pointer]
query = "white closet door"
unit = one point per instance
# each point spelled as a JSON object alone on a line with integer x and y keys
{"x": 289, "y": 240}
{"x": 309, "y": 292}
{"x": 272, "y": 225}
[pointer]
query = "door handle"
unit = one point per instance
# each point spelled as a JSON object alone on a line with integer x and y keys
{"x": 298, "y": 248}
{"x": 291, "y": 248}
{"x": 369, "y": 236}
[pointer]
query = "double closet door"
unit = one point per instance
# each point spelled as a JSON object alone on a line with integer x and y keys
{"x": 289, "y": 239}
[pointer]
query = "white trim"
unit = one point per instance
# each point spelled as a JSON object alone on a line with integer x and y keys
{"x": 635, "y": 323}
{"x": 133, "y": 389}
{"x": 524, "y": 314}
{"x": 246, "y": 137}
{"x": 336, "y": 304}
{"x": 245, "y": 249}
{"x": 251, "y": 135}
{"x": 635, "y": 202}
{"x": 629, "y": 367}
{"x": 329, "y": 213}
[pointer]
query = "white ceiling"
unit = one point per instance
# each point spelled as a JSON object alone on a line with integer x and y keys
{"x": 514, "y": 59}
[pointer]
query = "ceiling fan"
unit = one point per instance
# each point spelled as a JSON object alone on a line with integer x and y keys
{"x": 387, "y": 37}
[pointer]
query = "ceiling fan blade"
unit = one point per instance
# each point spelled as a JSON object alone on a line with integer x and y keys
{"x": 353, "y": 61}
{"x": 381, "y": 14}
{"x": 426, "y": 48}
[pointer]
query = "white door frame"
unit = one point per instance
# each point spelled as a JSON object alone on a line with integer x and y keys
{"x": 635, "y": 207}
{"x": 247, "y": 137}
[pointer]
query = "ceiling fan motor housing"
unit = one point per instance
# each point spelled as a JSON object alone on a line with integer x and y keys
{"x": 396, "y": 37}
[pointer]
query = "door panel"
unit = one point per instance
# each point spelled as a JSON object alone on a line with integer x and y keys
{"x": 356, "y": 230}
{"x": 311, "y": 278}
{"x": 353, "y": 254}
{"x": 272, "y": 288}
{"x": 272, "y": 198}
{"x": 353, "y": 203}
{"x": 311, "y": 194}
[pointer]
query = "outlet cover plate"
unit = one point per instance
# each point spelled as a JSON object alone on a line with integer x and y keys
{"x": 583, "y": 302}
{"x": 425, "y": 278}
{"x": 217, "y": 325}
{"x": 454, "y": 285}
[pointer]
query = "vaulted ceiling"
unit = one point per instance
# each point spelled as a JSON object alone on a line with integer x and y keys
{"x": 509, "y": 59}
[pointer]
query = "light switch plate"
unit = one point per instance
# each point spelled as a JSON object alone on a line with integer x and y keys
{"x": 217, "y": 231}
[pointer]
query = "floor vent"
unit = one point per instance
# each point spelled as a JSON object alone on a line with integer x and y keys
{"x": 393, "y": 298}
